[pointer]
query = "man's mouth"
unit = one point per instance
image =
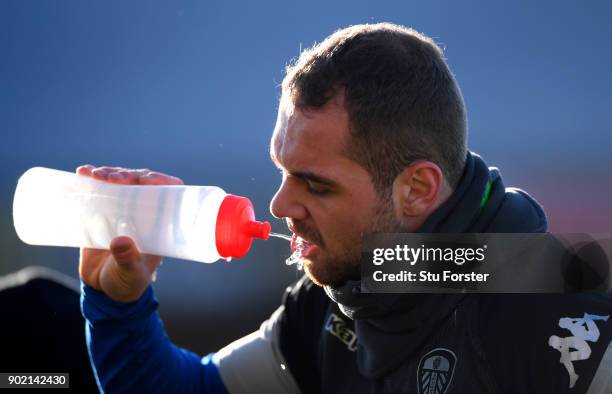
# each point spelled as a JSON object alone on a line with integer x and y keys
{"x": 305, "y": 248}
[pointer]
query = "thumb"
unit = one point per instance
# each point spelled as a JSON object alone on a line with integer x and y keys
{"x": 127, "y": 277}
{"x": 125, "y": 252}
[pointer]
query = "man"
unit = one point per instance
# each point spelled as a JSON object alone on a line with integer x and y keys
{"x": 370, "y": 137}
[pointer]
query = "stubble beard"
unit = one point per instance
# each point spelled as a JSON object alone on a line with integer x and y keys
{"x": 346, "y": 265}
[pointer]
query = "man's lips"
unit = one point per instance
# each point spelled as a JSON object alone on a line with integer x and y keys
{"x": 308, "y": 249}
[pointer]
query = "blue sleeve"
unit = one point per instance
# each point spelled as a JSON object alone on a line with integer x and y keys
{"x": 130, "y": 351}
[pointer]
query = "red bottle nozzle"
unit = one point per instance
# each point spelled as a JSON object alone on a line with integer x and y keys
{"x": 236, "y": 227}
{"x": 259, "y": 230}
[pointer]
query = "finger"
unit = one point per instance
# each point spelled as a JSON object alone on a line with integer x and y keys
{"x": 125, "y": 252}
{"x": 128, "y": 176}
{"x": 89, "y": 267}
{"x": 101, "y": 173}
{"x": 123, "y": 177}
{"x": 85, "y": 170}
{"x": 158, "y": 178}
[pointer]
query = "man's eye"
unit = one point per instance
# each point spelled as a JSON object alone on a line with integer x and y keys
{"x": 317, "y": 190}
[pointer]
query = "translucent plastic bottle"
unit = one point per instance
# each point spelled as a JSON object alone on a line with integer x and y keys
{"x": 200, "y": 223}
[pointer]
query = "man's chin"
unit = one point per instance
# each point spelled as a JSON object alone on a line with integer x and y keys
{"x": 315, "y": 276}
{"x": 324, "y": 274}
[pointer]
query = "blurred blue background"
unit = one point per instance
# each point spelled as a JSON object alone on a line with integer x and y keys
{"x": 191, "y": 88}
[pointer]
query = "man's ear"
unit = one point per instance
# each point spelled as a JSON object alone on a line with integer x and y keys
{"x": 417, "y": 190}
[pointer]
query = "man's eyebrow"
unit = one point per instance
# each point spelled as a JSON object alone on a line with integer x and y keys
{"x": 306, "y": 175}
{"x": 312, "y": 177}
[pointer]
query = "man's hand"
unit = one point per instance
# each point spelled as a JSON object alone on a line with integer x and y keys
{"x": 122, "y": 273}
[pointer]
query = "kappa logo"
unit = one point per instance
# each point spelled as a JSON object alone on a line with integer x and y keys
{"x": 337, "y": 327}
{"x": 435, "y": 371}
{"x": 583, "y": 329}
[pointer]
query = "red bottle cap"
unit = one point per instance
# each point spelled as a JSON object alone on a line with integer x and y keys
{"x": 236, "y": 227}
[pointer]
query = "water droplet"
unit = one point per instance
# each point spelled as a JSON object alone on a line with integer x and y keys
{"x": 296, "y": 257}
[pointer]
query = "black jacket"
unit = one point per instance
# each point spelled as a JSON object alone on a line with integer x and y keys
{"x": 337, "y": 340}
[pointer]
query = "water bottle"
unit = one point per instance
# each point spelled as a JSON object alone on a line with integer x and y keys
{"x": 201, "y": 223}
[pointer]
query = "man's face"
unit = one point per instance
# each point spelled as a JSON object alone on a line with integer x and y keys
{"x": 328, "y": 200}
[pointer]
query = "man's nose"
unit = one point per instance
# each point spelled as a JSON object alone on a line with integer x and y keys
{"x": 285, "y": 203}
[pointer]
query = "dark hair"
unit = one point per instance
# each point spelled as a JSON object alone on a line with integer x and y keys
{"x": 402, "y": 101}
